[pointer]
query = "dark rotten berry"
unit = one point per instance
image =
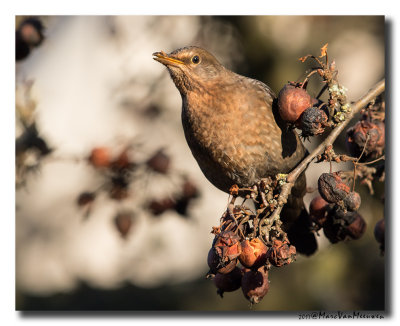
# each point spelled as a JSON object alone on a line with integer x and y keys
{"x": 332, "y": 188}
{"x": 367, "y": 136}
{"x": 159, "y": 162}
{"x": 228, "y": 282}
{"x": 313, "y": 122}
{"x": 342, "y": 226}
{"x": 255, "y": 284}
{"x": 281, "y": 253}
{"x": 318, "y": 211}
{"x": 352, "y": 201}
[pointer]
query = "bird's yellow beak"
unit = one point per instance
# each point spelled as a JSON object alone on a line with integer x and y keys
{"x": 163, "y": 58}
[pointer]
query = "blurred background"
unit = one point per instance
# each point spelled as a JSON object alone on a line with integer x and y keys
{"x": 90, "y": 236}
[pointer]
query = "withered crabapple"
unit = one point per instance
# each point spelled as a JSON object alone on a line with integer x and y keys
{"x": 352, "y": 201}
{"x": 292, "y": 102}
{"x": 85, "y": 198}
{"x": 222, "y": 257}
{"x": 281, "y": 253}
{"x": 123, "y": 223}
{"x": 255, "y": 284}
{"x": 341, "y": 226}
{"x": 228, "y": 282}
{"x": 366, "y": 137}
{"x": 100, "y": 157}
{"x": 318, "y": 211}
{"x": 332, "y": 188}
{"x": 253, "y": 253}
{"x": 159, "y": 162}
{"x": 312, "y": 122}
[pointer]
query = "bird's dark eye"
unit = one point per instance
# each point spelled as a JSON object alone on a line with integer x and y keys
{"x": 195, "y": 59}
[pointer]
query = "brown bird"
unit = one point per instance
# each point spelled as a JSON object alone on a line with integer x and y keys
{"x": 232, "y": 124}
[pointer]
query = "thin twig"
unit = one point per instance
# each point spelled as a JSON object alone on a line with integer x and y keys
{"x": 371, "y": 162}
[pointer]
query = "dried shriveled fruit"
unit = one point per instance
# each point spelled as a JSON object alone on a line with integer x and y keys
{"x": 226, "y": 238}
{"x": 159, "y": 206}
{"x": 352, "y": 201}
{"x": 189, "y": 192}
{"x": 219, "y": 265}
{"x": 86, "y": 198}
{"x": 332, "y": 188}
{"x": 255, "y": 284}
{"x": 159, "y": 162}
{"x": 100, "y": 157}
{"x": 254, "y": 253}
{"x": 281, "y": 253}
{"x": 318, "y": 211}
{"x": 122, "y": 161}
{"x": 342, "y": 226}
{"x": 370, "y": 135}
{"x": 223, "y": 255}
{"x": 123, "y": 223}
{"x": 313, "y": 122}
{"x": 228, "y": 282}
{"x": 356, "y": 229}
{"x": 292, "y": 102}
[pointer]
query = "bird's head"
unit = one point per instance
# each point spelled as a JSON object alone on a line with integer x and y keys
{"x": 190, "y": 67}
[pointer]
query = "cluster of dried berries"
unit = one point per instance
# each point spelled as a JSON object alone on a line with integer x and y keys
{"x": 297, "y": 106}
{"x": 367, "y": 136}
{"x": 255, "y": 256}
{"x": 335, "y": 210}
{"x": 256, "y": 259}
{"x": 119, "y": 171}
{"x": 311, "y": 115}
{"x": 247, "y": 244}
{"x": 28, "y": 35}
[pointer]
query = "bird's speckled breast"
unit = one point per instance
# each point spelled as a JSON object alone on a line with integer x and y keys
{"x": 241, "y": 142}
